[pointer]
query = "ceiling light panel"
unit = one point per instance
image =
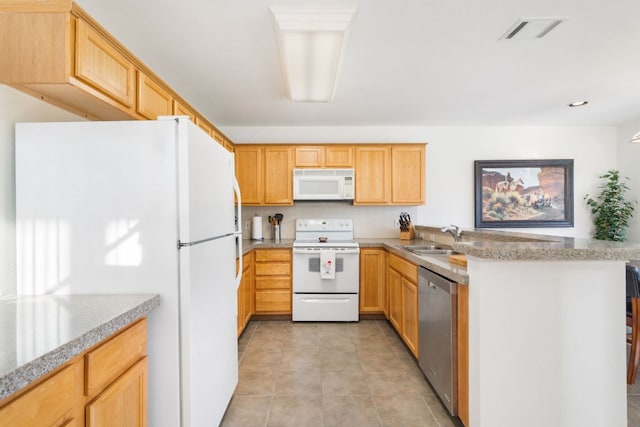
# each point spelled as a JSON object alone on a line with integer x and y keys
{"x": 312, "y": 44}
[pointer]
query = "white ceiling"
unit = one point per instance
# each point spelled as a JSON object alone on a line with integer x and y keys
{"x": 407, "y": 62}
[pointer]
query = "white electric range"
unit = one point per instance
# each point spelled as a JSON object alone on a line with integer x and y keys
{"x": 326, "y": 271}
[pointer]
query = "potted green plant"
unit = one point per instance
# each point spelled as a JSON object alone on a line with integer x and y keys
{"x": 611, "y": 211}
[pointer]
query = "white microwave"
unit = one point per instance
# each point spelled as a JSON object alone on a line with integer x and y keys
{"x": 323, "y": 184}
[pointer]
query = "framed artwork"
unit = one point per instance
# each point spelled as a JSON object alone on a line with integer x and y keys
{"x": 524, "y": 193}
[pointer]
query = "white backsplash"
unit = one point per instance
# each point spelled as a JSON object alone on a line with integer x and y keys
{"x": 369, "y": 221}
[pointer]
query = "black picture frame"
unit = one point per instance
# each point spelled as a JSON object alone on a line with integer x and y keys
{"x": 523, "y": 193}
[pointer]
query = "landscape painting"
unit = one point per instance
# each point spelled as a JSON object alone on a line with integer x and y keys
{"x": 524, "y": 193}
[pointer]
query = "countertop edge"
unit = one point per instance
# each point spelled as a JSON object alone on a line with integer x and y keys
{"x": 456, "y": 273}
{"x": 35, "y": 369}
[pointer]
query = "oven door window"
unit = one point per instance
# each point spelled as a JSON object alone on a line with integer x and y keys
{"x": 314, "y": 265}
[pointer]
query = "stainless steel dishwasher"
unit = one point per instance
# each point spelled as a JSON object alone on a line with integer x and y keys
{"x": 437, "y": 341}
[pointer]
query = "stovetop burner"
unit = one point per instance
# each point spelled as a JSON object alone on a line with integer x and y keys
{"x": 324, "y": 233}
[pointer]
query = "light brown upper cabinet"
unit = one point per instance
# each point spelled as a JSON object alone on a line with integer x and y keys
{"x": 324, "y": 156}
{"x": 55, "y": 51}
{"x": 153, "y": 99}
{"x": 390, "y": 174}
{"x": 407, "y": 174}
{"x": 181, "y": 110}
{"x": 264, "y": 173}
{"x": 220, "y": 139}
{"x": 372, "y": 175}
{"x": 278, "y": 176}
{"x": 103, "y": 66}
{"x": 249, "y": 161}
{"x": 203, "y": 125}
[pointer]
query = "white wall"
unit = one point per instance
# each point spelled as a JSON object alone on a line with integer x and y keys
{"x": 628, "y": 164}
{"x": 15, "y": 107}
{"x": 368, "y": 222}
{"x": 450, "y": 155}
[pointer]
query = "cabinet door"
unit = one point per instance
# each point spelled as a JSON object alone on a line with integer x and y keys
{"x": 372, "y": 175}
{"x": 103, "y": 66}
{"x": 124, "y": 402}
{"x": 217, "y": 136}
{"x": 153, "y": 99}
{"x": 309, "y": 156}
{"x": 410, "y": 315}
{"x": 278, "y": 179}
{"x": 385, "y": 284}
{"x": 249, "y": 290}
{"x": 394, "y": 281}
{"x": 339, "y": 156}
{"x": 203, "y": 125}
{"x": 408, "y": 174}
{"x": 47, "y": 404}
{"x": 249, "y": 174}
{"x": 372, "y": 274}
{"x": 181, "y": 110}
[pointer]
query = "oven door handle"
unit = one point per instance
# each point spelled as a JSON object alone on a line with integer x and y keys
{"x": 317, "y": 251}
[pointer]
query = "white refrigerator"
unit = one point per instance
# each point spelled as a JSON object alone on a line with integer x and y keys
{"x": 140, "y": 207}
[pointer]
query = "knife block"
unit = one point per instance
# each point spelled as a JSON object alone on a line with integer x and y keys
{"x": 408, "y": 235}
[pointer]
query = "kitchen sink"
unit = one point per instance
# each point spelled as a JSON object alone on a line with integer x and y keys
{"x": 425, "y": 247}
{"x": 433, "y": 251}
{"x": 430, "y": 249}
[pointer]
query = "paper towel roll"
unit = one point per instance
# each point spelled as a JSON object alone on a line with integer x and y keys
{"x": 256, "y": 228}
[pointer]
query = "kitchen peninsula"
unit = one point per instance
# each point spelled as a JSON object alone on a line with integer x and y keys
{"x": 546, "y": 331}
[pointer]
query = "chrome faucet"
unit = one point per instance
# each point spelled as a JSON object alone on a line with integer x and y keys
{"x": 454, "y": 230}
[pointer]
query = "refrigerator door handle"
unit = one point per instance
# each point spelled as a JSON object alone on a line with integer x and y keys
{"x": 238, "y": 233}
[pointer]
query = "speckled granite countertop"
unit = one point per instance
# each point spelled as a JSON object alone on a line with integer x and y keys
{"x": 437, "y": 263}
{"x": 566, "y": 249}
{"x": 491, "y": 245}
{"x": 514, "y": 246}
{"x": 40, "y": 333}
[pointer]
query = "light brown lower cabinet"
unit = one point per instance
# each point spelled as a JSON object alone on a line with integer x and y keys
{"x": 124, "y": 402}
{"x": 372, "y": 280}
{"x": 273, "y": 281}
{"x": 104, "y": 386}
{"x": 246, "y": 293}
{"x": 402, "y": 278}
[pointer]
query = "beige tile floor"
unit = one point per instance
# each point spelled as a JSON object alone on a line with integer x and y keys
{"x": 330, "y": 374}
{"x": 338, "y": 374}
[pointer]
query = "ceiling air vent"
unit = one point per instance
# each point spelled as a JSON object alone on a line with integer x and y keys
{"x": 531, "y": 28}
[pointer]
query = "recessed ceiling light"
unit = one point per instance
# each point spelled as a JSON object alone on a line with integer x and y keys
{"x": 578, "y": 103}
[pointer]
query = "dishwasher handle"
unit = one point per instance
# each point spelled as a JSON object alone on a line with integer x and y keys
{"x": 435, "y": 280}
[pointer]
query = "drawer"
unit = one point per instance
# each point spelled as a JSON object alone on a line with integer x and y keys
{"x": 48, "y": 403}
{"x": 108, "y": 361}
{"x": 273, "y": 283}
{"x": 273, "y": 255}
{"x": 407, "y": 269}
{"x": 273, "y": 301}
{"x": 273, "y": 269}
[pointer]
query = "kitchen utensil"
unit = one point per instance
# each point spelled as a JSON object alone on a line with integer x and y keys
{"x": 405, "y": 221}
{"x": 279, "y": 217}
